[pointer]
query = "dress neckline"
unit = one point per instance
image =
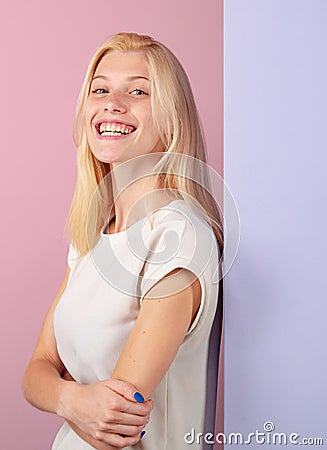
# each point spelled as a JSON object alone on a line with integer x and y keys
{"x": 122, "y": 233}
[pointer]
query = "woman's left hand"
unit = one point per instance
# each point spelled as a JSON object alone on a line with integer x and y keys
{"x": 99, "y": 445}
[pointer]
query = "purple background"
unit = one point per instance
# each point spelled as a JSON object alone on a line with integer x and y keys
{"x": 275, "y": 164}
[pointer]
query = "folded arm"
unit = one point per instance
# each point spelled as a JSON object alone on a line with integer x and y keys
{"x": 107, "y": 406}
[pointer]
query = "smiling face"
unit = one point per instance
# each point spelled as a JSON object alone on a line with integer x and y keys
{"x": 118, "y": 114}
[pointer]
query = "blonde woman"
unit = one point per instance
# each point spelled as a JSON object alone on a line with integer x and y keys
{"x": 123, "y": 351}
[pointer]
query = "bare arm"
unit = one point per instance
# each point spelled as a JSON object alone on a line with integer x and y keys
{"x": 107, "y": 405}
{"x": 42, "y": 382}
{"x": 158, "y": 332}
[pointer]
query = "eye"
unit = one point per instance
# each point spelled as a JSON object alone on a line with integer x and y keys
{"x": 140, "y": 90}
{"x": 96, "y": 91}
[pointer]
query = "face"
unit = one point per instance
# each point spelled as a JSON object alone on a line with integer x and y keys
{"x": 118, "y": 114}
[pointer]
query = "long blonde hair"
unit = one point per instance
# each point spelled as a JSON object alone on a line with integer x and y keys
{"x": 176, "y": 118}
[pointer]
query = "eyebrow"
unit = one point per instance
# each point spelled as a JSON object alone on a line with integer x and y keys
{"x": 133, "y": 77}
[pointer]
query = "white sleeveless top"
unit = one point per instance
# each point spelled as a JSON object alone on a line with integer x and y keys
{"x": 101, "y": 302}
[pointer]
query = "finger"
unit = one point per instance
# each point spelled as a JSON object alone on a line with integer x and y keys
{"x": 138, "y": 409}
{"x": 126, "y": 405}
{"x": 126, "y": 389}
{"x": 112, "y": 420}
{"x": 125, "y": 419}
{"x": 123, "y": 429}
{"x": 116, "y": 440}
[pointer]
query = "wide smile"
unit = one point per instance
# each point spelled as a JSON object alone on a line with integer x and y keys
{"x": 117, "y": 130}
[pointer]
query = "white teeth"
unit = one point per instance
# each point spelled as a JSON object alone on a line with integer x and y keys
{"x": 113, "y": 128}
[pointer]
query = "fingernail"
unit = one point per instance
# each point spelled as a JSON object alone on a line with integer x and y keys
{"x": 142, "y": 434}
{"x": 138, "y": 397}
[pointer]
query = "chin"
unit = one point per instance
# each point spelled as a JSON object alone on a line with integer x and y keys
{"x": 105, "y": 157}
{"x": 102, "y": 158}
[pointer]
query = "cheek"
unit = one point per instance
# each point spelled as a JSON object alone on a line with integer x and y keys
{"x": 154, "y": 130}
{"x": 86, "y": 120}
{"x": 88, "y": 109}
{"x": 88, "y": 116}
{"x": 148, "y": 122}
{"x": 152, "y": 125}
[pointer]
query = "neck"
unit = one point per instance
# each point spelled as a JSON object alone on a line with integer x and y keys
{"x": 135, "y": 190}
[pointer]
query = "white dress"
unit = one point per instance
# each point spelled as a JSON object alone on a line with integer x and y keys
{"x": 100, "y": 305}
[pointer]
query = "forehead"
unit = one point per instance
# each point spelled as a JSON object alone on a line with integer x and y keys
{"x": 123, "y": 64}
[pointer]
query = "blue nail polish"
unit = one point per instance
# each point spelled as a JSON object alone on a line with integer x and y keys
{"x": 142, "y": 434}
{"x": 138, "y": 397}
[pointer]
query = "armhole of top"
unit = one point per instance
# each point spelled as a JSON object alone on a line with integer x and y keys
{"x": 201, "y": 306}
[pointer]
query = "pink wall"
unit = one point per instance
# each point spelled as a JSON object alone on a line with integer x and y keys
{"x": 46, "y": 48}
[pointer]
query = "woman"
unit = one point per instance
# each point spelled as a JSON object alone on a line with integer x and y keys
{"x": 124, "y": 345}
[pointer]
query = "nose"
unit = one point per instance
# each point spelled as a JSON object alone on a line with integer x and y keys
{"x": 114, "y": 102}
